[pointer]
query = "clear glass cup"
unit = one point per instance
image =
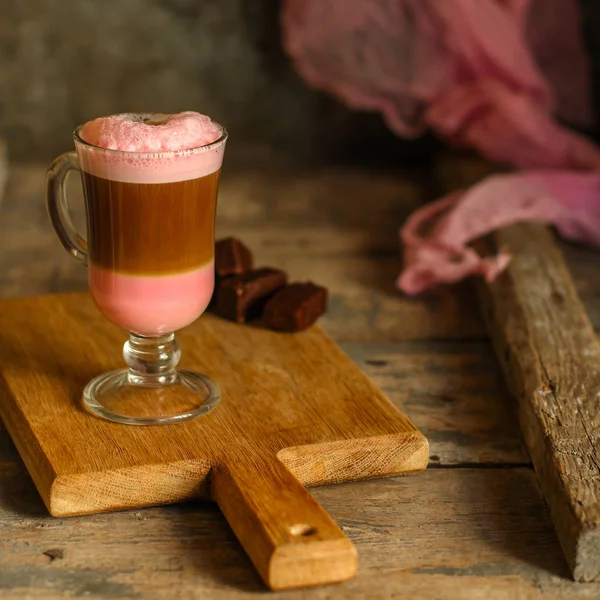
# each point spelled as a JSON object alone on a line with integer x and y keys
{"x": 150, "y": 257}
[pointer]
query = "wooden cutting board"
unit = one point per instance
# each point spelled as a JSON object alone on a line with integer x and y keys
{"x": 295, "y": 412}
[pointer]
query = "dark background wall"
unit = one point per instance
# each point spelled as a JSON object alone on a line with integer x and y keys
{"x": 62, "y": 63}
{"x": 591, "y": 31}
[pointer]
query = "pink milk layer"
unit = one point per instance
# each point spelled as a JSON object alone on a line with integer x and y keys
{"x": 152, "y": 305}
{"x": 127, "y": 148}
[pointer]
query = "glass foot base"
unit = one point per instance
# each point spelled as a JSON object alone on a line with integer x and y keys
{"x": 116, "y": 396}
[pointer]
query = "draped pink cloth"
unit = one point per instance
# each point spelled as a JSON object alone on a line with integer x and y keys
{"x": 493, "y": 75}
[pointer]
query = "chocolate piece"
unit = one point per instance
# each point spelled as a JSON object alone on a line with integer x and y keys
{"x": 232, "y": 257}
{"x": 295, "y": 307}
{"x": 242, "y": 298}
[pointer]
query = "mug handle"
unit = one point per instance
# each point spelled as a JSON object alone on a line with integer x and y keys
{"x": 58, "y": 206}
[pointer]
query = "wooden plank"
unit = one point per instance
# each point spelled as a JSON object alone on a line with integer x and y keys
{"x": 455, "y": 394}
{"x": 309, "y": 222}
{"x": 447, "y": 533}
{"x": 584, "y": 268}
{"x": 273, "y": 432}
{"x": 551, "y": 358}
{"x": 364, "y": 307}
{"x": 550, "y": 355}
{"x": 316, "y": 227}
{"x": 3, "y": 168}
{"x": 476, "y": 532}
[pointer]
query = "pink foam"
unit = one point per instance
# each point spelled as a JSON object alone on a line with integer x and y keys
{"x": 124, "y": 148}
{"x": 152, "y": 305}
{"x": 133, "y": 133}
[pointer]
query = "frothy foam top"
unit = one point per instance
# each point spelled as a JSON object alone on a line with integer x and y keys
{"x": 152, "y": 147}
{"x": 151, "y": 132}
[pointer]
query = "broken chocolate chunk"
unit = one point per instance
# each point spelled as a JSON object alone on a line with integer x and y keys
{"x": 295, "y": 307}
{"x": 232, "y": 257}
{"x": 242, "y": 298}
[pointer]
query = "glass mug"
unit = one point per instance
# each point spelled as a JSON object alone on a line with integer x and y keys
{"x": 150, "y": 253}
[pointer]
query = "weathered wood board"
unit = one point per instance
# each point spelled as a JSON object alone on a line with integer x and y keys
{"x": 295, "y": 412}
{"x": 3, "y": 168}
{"x": 285, "y": 216}
{"x": 551, "y": 358}
{"x": 548, "y": 349}
{"x": 481, "y": 534}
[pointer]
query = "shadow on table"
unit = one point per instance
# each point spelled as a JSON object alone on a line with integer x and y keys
{"x": 18, "y": 494}
{"x": 211, "y": 548}
{"x": 520, "y": 527}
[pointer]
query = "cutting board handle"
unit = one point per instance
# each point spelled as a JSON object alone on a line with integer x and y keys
{"x": 290, "y": 539}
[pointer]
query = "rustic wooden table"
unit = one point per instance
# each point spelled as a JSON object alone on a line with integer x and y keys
{"x": 472, "y": 526}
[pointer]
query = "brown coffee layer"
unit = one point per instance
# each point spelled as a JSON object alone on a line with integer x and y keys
{"x": 151, "y": 228}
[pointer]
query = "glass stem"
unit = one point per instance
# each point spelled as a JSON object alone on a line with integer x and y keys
{"x": 152, "y": 360}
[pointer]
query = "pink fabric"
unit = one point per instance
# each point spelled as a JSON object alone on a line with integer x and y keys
{"x": 483, "y": 74}
{"x": 442, "y": 255}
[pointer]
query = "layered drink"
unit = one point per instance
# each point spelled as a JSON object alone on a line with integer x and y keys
{"x": 151, "y": 185}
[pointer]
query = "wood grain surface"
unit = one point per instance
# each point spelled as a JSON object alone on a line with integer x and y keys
{"x": 551, "y": 358}
{"x": 474, "y": 525}
{"x": 550, "y": 355}
{"x": 447, "y": 533}
{"x": 294, "y": 411}
{"x": 454, "y": 393}
{"x": 310, "y": 222}
{"x": 3, "y": 168}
